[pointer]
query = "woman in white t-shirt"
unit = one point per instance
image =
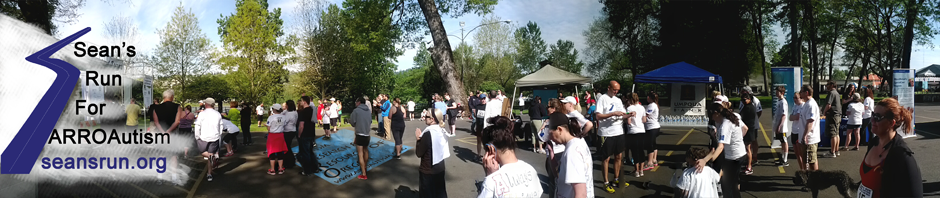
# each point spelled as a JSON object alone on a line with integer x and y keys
{"x": 731, "y": 136}
{"x": 854, "y": 112}
{"x": 636, "y": 138}
{"x": 576, "y": 169}
{"x": 869, "y": 104}
{"x": 506, "y": 175}
{"x": 652, "y": 128}
{"x": 796, "y": 128}
{"x": 551, "y": 148}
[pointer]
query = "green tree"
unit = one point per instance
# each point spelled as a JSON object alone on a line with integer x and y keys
{"x": 471, "y": 72}
{"x": 496, "y": 43}
{"x": 210, "y": 85}
{"x": 564, "y": 56}
{"x": 636, "y": 26}
{"x": 43, "y": 13}
{"x": 605, "y": 55}
{"x": 413, "y": 16}
{"x": 250, "y": 39}
{"x": 183, "y": 51}
{"x": 530, "y": 48}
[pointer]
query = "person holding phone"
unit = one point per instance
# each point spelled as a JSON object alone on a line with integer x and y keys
{"x": 500, "y": 163}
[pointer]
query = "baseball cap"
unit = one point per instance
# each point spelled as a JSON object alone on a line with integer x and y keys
{"x": 332, "y": 99}
{"x": 276, "y": 107}
{"x": 569, "y": 99}
{"x": 208, "y": 101}
{"x": 721, "y": 98}
{"x": 557, "y": 119}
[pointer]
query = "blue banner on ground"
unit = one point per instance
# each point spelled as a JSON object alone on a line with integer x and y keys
{"x": 339, "y": 161}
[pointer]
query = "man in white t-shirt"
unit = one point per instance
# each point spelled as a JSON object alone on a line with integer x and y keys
{"x": 781, "y": 129}
{"x": 610, "y": 113}
{"x": 693, "y": 183}
{"x": 810, "y": 114}
{"x": 208, "y": 131}
{"x": 259, "y": 111}
{"x": 411, "y": 109}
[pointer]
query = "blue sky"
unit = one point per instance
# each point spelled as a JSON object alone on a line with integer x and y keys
{"x": 558, "y": 19}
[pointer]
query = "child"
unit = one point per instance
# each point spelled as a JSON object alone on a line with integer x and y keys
{"x": 692, "y": 183}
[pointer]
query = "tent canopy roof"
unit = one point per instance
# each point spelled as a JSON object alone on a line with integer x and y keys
{"x": 550, "y": 75}
{"x": 680, "y": 72}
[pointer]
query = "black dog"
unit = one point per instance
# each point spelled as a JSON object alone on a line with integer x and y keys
{"x": 820, "y": 180}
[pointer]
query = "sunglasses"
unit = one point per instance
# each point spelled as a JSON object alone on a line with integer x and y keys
{"x": 877, "y": 117}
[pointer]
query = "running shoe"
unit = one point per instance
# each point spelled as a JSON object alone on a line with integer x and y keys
{"x": 854, "y": 149}
{"x": 609, "y": 188}
{"x": 229, "y": 154}
{"x": 280, "y": 172}
{"x": 782, "y": 163}
{"x": 649, "y": 166}
{"x": 829, "y": 155}
{"x": 209, "y": 177}
{"x": 362, "y": 177}
{"x": 398, "y": 157}
{"x": 616, "y": 183}
{"x": 271, "y": 172}
{"x": 637, "y": 174}
{"x": 749, "y": 172}
{"x": 838, "y": 153}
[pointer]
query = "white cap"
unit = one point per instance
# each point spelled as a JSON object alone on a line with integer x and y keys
{"x": 208, "y": 101}
{"x": 276, "y": 107}
{"x": 332, "y": 99}
{"x": 569, "y": 99}
{"x": 721, "y": 98}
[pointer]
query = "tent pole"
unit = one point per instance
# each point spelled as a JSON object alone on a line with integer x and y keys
{"x": 513, "y": 101}
{"x": 633, "y": 89}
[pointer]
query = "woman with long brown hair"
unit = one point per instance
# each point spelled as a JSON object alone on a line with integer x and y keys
{"x": 636, "y": 138}
{"x": 889, "y": 168}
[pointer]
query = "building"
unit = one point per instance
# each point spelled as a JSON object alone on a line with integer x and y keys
{"x": 926, "y": 78}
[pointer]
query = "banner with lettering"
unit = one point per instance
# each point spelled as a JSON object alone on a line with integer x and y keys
{"x": 687, "y": 99}
{"x": 903, "y": 89}
{"x": 339, "y": 161}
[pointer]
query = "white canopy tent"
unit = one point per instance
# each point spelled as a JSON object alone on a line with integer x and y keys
{"x": 550, "y": 75}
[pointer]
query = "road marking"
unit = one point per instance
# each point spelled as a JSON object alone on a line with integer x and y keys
{"x": 142, "y": 190}
{"x": 468, "y": 140}
{"x": 678, "y": 143}
{"x": 196, "y": 185}
{"x": 769, "y": 142}
{"x": 105, "y": 189}
{"x": 181, "y": 189}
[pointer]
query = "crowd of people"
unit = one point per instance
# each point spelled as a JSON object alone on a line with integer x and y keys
{"x": 623, "y": 130}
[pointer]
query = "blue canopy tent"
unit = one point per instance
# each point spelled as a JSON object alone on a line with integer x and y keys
{"x": 680, "y": 72}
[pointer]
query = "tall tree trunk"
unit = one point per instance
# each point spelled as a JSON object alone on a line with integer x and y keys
{"x": 911, "y": 8}
{"x": 849, "y": 74}
{"x": 795, "y": 42}
{"x": 890, "y": 58}
{"x": 813, "y": 58}
{"x": 864, "y": 72}
{"x": 441, "y": 54}
{"x": 760, "y": 45}
{"x": 832, "y": 47}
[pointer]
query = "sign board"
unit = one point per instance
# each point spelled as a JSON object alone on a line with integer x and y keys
{"x": 903, "y": 88}
{"x": 91, "y": 93}
{"x": 792, "y": 79}
{"x": 148, "y": 91}
{"x": 687, "y": 99}
{"x": 339, "y": 161}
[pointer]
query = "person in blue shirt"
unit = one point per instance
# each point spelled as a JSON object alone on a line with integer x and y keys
{"x": 385, "y": 123}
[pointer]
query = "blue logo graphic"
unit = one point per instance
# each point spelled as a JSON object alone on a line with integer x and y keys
{"x": 20, "y": 156}
{"x": 339, "y": 161}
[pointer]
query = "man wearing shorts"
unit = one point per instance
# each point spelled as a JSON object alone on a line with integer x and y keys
{"x": 361, "y": 119}
{"x": 780, "y": 124}
{"x": 810, "y": 117}
{"x": 208, "y": 131}
{"x": 797, "y": 129}
{"x": 833, "y": 112}
{"x": 259, "y": 113}
{"x": 610, "y": 115}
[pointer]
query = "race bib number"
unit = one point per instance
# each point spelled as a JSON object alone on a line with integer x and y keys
{"x": 481, "y": 114}
{"x": 864, "y": 192}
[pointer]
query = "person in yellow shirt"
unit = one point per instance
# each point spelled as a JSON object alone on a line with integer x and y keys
{"x": 132, "y": 110}
{"x": 233, "y": 112}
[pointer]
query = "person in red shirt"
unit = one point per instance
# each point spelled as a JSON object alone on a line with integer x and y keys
{"x": 320, "y": 112}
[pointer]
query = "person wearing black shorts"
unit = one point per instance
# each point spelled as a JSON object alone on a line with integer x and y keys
{"x": 749, "y": 117}
{"x": 361, "y": 119}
